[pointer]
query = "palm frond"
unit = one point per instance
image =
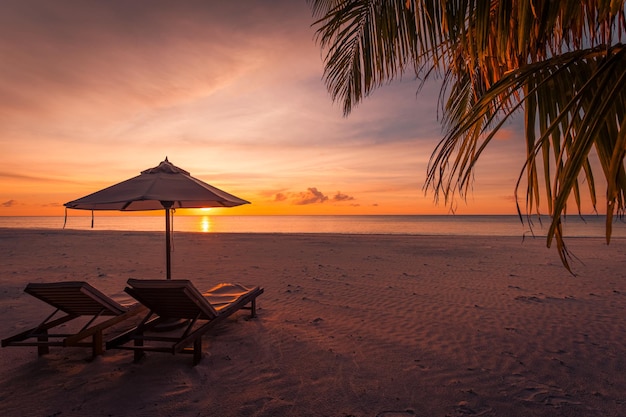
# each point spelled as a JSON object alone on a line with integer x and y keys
{"x": 580, "y": 98}
{"x": 561, "y": 63}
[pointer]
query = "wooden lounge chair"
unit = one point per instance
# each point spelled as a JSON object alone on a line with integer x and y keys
{"x": 80, "y": 302}
{"x": 170, "y": 300}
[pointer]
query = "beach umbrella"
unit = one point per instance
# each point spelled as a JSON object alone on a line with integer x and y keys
{"x": 164, "y": 187}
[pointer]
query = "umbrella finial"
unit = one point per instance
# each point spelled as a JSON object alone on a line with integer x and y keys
{"x": 165, "y": 167}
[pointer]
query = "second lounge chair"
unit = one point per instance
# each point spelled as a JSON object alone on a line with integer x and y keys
{"x": 173, "y": 299}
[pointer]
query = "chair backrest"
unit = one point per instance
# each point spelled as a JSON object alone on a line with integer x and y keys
{"x": 75, "y": 297}
{"x": 171, "y": 298}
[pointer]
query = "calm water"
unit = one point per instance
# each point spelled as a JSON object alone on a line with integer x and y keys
{"x": 591, "y": 226}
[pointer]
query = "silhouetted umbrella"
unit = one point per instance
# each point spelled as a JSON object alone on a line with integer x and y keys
{"x": 163, "y": 187}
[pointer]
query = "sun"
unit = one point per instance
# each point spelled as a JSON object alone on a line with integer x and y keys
{"x": 197, "y": 211}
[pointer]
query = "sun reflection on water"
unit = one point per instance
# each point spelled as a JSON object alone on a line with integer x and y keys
{"x": 205, "y": 224}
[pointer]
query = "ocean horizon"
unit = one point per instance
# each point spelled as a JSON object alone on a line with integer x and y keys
{"x": 466, "y": 225}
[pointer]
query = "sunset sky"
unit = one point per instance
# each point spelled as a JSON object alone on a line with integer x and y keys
{"x": 93, "y": 92}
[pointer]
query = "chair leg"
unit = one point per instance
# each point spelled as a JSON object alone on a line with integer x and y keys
{"x": 197, "y": 350}
{"x": 138, "y": 353}
{"x": 253, "y": 308}
{"x": 43, "y": 349}
{"x": 97, "y": 347}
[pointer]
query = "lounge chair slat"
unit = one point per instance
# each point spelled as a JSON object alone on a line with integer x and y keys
{"x": 35, "y": 343}
{"x": 147, "y": 348}
{"x": 75, "y": 297}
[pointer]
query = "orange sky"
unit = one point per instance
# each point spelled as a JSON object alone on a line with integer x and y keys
{"x": 94, "y": 92}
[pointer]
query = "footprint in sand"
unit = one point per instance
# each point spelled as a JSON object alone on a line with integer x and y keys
{"x": 407, "y": 413}
{"x": 538, "y": 395}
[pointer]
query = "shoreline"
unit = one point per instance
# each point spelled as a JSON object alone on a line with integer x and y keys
{"x": 521, "y": 236}
{"x": 358, "y": 325}
{"x": 419, "y": 225}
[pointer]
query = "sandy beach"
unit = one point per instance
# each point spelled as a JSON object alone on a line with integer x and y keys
{"x": 348, "y": 326}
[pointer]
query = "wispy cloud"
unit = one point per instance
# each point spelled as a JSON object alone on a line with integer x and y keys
{"x": 16, "y": 177}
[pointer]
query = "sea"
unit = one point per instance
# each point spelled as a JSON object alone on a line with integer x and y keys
{"x": 468, "y": 225}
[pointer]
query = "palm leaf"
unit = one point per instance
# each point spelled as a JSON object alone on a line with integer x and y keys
{"x": 561, "y": 63}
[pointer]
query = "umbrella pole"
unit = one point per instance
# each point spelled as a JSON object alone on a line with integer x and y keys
{"x": 168, "y": 250}
{"x": 169, "y": 324}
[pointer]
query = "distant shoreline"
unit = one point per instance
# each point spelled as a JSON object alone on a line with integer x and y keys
{"x": 521, "y": 238}
{"x": 429, "y": 225}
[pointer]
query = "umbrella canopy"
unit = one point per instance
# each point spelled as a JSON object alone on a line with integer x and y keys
{"x": 163, "y": 187}
{"x": 148, "y": 191}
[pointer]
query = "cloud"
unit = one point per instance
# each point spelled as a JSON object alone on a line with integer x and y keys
{"x": 9, "y": 203}
{"x": 311, "y": 196}
{"x": 342, "y": 197}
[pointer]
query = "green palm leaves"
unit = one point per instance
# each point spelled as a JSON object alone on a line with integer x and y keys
{"x": 561, "y": 64}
